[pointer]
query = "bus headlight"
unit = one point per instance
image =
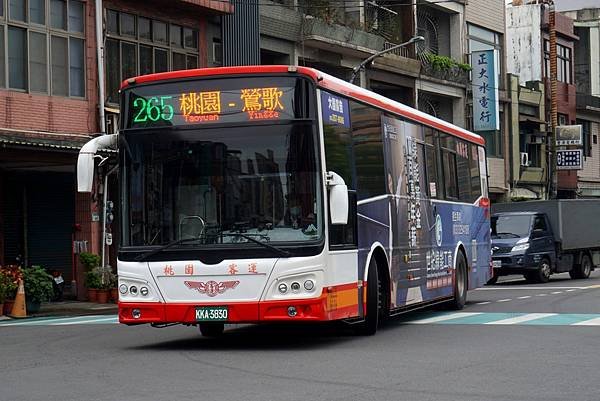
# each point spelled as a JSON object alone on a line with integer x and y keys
{"x": 123, "y": 289}
{"x": 309, "y": 285}
{"x": 283, "y": 288}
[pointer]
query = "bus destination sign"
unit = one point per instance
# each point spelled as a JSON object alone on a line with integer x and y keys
{"x": 210, "y": 106}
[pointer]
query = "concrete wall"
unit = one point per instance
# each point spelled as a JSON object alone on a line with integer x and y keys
{"x": 486, "y": 13}
{"x": 591, "y": 165}
{"x": 523, "y": 43}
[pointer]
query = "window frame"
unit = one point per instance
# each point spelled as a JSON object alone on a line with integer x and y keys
{"x": 151, "y": 42}
{"x": 48, "y": 31}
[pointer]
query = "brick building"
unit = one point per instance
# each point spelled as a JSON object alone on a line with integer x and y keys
{"x": 49, "y": 108}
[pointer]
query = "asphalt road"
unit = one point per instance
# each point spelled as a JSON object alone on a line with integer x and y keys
{"x": 509, "y": 343}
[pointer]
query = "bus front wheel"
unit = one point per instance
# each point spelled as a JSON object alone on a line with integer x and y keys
{"x": 368, "y": 326}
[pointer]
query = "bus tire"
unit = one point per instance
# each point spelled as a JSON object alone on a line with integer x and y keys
{"x": 211, "y": 329}
{"x": 460, "y": 283}
{"x": 368, "y": 326}
{"x": 583, "y": 269}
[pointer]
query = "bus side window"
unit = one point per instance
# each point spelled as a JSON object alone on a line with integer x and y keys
{"x": 450, "y": 181}
{"x": 368, "y": 150}
{"x": 431, "y": 165}
{"x": 474, "y": 168}
{"x": 338, "y": 152}
{"x": 463, "y": 172}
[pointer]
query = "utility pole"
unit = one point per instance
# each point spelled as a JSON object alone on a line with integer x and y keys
{"x": 553, "y": 177}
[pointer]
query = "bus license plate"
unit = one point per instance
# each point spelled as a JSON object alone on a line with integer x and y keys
{"x": 211, "y": 313}
{"x": 496, "y": 263}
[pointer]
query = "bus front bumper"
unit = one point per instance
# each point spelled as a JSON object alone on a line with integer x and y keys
{"x": 314, "y": 309}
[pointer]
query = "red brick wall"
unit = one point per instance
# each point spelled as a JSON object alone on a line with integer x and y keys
{"x": 37, "y": 112}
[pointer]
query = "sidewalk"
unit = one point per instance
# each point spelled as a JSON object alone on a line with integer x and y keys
{"x": 72, "y": 308}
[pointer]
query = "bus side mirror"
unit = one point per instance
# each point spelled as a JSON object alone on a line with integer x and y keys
{"x": 338, "y": 198}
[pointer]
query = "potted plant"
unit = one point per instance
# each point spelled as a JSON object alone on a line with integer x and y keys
{"x": 91, "y": 262}
{"x": 114, "y": 291}
{"x": 92, "y": 282}
{"x": 106, "y": 283}
{"x": 11, "y": 275}
{"x": 4, "y": 282}
{"x": 38, "y": 287}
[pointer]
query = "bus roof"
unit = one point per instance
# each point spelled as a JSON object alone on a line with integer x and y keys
{"x": 322, "y": 80}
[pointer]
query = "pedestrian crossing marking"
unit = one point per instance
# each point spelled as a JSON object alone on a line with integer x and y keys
{"x": 456, "y": 318}
{"x": 522, "y": 318}
{"x": 61, "y": 321}
{"x": 497, "y": 318}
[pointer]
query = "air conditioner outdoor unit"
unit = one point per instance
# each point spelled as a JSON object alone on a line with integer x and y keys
{"x": 524, "y": 159}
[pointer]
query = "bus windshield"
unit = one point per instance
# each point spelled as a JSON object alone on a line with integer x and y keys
{"x": 213, "y": 183}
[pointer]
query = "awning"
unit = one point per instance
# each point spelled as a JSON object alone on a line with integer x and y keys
{"x": 530, "y": 119}
{"x": 43, "y": 140}
{"x": 523, "y": 193}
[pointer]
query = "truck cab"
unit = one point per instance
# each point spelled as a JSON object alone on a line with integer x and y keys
{"x": 522, "y": 243}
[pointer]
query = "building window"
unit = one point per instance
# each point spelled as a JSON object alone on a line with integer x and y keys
{"x": 586, "y": 128}
{"x": 483, "y": 39}
{"x": 563, "y": 62}
{"x": 138, "y": 45}
{"x": 42, "y": 46}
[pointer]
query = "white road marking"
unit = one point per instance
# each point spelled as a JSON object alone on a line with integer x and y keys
{"x": 442, "y": 318}
{"x": 84, "y": 321}
{"x": 504, "y": 300}
{"x": 531, "y": 288}
{"x": 557, "y": 292}
{"x": 571, "y": 290}
{"x": 523, "y": 318}
{"x": 524, "y": 297}
{"x": 483, "y": 303}
{"x": 591, "y": 322}
{"x": 541, "y": 295}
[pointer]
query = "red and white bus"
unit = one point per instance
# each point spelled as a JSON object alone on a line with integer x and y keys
{"x": 280, "y": 193}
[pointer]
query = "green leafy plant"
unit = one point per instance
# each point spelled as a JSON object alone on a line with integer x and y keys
{"x": 93, "y": 280}
{"x": 38, "y": 284}
{"x": 9, "y": 281}
{"x": 444, "y": 63}
{"x": 89, "y": 260}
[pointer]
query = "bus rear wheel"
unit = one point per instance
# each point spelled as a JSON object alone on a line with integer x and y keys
{"x": 211, "y": 329}
{"x": 460, "y": 283}
{"x": 368, "y": 326}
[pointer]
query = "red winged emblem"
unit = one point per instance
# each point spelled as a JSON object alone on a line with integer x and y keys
{"x": 211, "y": 288}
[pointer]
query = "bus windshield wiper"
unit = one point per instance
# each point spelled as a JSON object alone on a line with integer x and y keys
{"x": 279, "y": 251}
{"x": 144, "y": 256}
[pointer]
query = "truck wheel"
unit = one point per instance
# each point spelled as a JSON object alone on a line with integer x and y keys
{"x": 542, "y": 275}
{"x": 368, "y": 327}
{"x": 212, "y": 329}
{"x": 460, "y": 283}
{"x": 582, "y": 270}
